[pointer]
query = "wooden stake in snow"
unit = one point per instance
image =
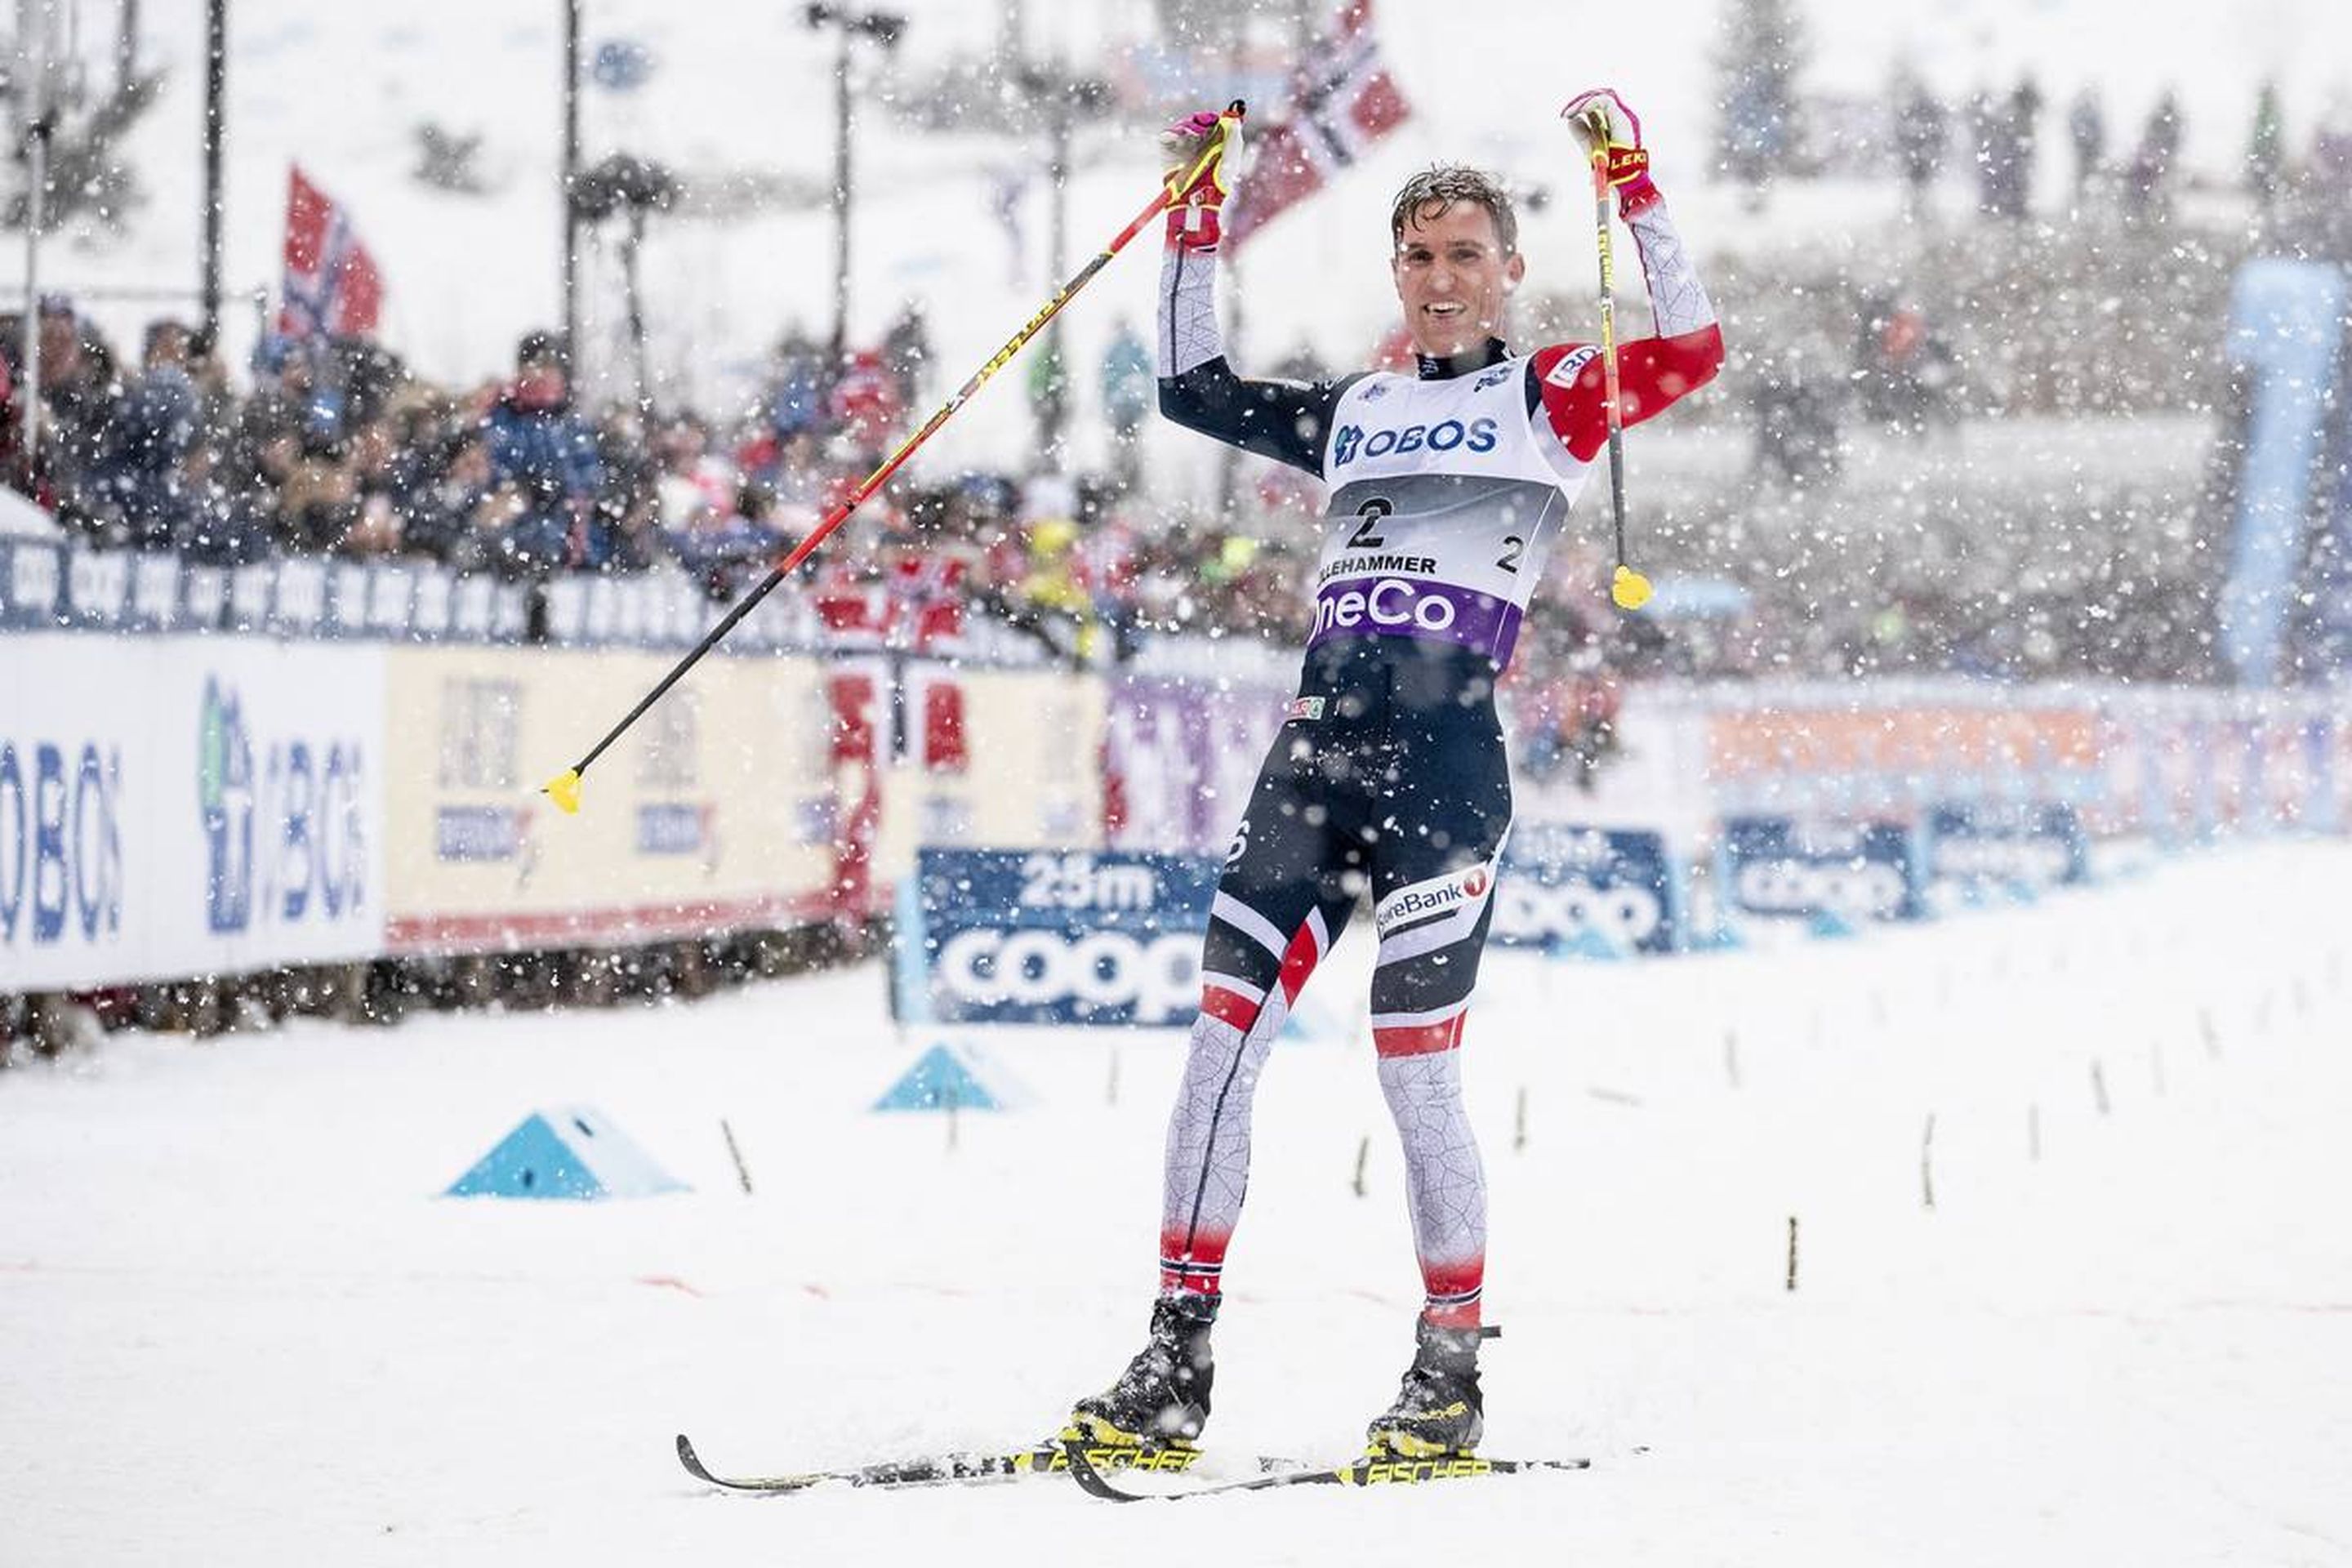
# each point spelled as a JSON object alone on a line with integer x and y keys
{"x": 1732, "y": 1056}
{"x": 2033, "y": 1133}
{"x": 1792, "y": 1252}
{"x": 1111, "y": 1092}
{"x": 1519, "y": 1122}
{"x": 1364, "y": 1152}
{"x": 1927, "y": 1162}
{"x": 736, "y": 1155}
{"x": 953, "y": 1101}
{"x": 2212, "y": 1036}
{"x": 2099, "y": 1085}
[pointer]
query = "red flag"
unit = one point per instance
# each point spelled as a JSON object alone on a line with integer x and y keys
{"x": 1342, "y": 100}
{"x": 332, "y": 287}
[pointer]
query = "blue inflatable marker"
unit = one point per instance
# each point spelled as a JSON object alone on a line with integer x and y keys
{"x": 569, "y": 1153}
{"x": 939, "y": 1077}
{"x": 1724, "y": 938}
{"x": 1315, "y": 1022}
{"x": 1587, "y": 943}
{"x": 1830, "y": 925}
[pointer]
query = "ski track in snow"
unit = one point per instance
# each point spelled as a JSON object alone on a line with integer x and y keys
{"x": 240, "y": 1326}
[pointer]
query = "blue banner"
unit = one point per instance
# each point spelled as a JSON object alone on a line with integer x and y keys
{"x": 1054, "y": 937}
{"x": 1777, "y": 867}
{"x": 2008, "y": 847}
{"x": 1562, "y": 884}
{"x": 2286, "y": 327}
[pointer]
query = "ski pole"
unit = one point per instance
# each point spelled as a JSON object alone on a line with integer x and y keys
{"x": 564, "y": 789}
{"x": 1628, "y": 588}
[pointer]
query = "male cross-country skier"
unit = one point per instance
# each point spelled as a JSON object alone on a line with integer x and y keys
{"x": 1446, "y": 487}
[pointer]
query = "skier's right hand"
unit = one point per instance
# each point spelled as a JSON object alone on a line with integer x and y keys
{"x": 1203, "y": 151}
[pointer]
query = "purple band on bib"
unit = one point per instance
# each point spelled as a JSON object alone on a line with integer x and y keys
{"x": 1412, "y": 607}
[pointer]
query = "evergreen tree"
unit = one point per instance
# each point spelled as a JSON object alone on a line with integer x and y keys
{"x": 2267, "y": 148}
{"x": 1762, "y": 49}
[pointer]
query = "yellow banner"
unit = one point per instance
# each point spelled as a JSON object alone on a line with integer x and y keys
{"x": 715, "y": 812}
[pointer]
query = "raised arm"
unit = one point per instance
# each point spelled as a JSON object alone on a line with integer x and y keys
{"x": 1653, "y": 373}
{"x": 1287, "y": 421}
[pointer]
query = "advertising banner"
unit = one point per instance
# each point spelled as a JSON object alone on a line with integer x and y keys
{"x": 179, "y": 806}
{"x": 1777, "y": 868}
{"x": 1053, "y": 937}
{"x": 983, "y": 756}
{"x": 1562, "y": 882}
{"x": 717, "y": 810}
{"x": 1979, "y": 845}
{"x": 1180, "y": 756}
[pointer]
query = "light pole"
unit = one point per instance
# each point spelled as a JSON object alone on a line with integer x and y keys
{"x": 571, "y": 182}
{"x": 884, "y": 27}
{"x": 1065, "y": 98}
{"x": 215, "y": 135}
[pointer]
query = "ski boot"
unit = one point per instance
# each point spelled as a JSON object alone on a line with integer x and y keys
{"x": 1160, "y": 1401}
{"x": 1439, "y": 1413}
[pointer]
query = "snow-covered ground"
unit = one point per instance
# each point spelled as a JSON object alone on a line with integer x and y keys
{"x": 236, "y": 1324}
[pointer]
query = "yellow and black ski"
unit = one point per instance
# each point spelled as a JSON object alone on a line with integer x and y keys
{"x": 952, "y": 1468}
{"x": 1371, "y": 1470}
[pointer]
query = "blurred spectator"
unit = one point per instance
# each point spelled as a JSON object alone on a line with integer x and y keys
{"x": 796, "y": 399}
{"x": 2025, "y": 148}
{"x": 139, "y": 469}
{"x": 1130, "y": 390}
{"x": 1049, "y": 398}
{"x": 1906, "y": 376}
{"x": 2087, "y": 127}
{"x": 1796, "y": 424}
{"x": 1922, "y": 132}
{"x": 545, "y": 454}
{"x": 907, "y": 355}
{"x": 866, "y": 408}
{"x": 78, "y": 396}
{"x": 2149, "y": 191}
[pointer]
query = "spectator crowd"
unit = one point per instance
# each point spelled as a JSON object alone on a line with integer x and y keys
{"x": 337, "y": 450}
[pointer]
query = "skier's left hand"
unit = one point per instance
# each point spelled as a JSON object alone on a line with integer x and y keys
{"x": 1611, "y": 135}
{"x": 1195, "y": 199}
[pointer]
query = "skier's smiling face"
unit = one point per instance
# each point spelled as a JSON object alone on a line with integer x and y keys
{"x": 1453, "y": 276}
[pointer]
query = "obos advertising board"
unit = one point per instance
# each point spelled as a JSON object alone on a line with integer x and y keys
{"x": 174, "y": 807}
{"x": 997, "y": 936}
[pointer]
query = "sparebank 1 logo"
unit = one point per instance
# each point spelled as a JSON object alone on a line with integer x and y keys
{"x": 283, "y": 836}
{"x": 225, "y": 795}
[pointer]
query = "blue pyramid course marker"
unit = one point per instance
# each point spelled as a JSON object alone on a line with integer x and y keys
{"x": 1830, "y": 925}
{"x": 1587, "y": 943}
{"x": 573, "y": 1152}
{"x": 939, "y": 1077}
{"x": 1314, "y": 1022}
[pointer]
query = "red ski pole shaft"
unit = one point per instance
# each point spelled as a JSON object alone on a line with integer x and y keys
{"x": 564, "y": 788}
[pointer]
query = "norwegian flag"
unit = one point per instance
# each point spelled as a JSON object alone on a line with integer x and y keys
{"x": 1342, "y": 100}
{"x": 332, "y": 288}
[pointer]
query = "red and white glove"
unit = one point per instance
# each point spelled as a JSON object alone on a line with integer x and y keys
{"x": 1203, "y": 151}
{"x": 1611, "y": 135}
